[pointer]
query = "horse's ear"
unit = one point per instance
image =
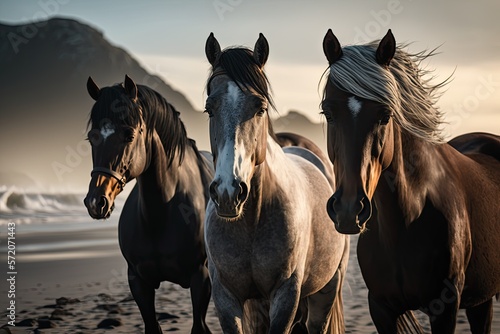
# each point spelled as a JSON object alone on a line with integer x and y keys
{"x": 331, "y": 47}
{"x": 386, "y": 49}
{"x": 212, "y": 49}
{"x": 93, "y": 89}
{"x": 130, "y": 88}
{"x": 261, "y": 50}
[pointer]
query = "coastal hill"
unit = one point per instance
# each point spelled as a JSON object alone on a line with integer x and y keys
{"x": 44, "y": 110}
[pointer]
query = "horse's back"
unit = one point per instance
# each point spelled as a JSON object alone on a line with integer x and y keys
{"x": 309, "y": 156}
{"x": 477, "y": 143}
{"x": 482, "y": 171}
{"x": 310, "y": 151}
{"x": 286, "y": 139}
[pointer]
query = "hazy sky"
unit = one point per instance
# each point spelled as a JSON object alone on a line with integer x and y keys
{"x": 168, "y": 38}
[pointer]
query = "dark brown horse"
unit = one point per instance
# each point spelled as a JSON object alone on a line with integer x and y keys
{"x": 428, "y": 211}
{"x": 136, "y": 134}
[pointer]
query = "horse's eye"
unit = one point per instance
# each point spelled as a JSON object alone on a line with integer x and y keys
{"x": 128, "y": 136}
{"x": 94, "y": 137}
{"x": 385, "y": 119}
{"x": 328, "y": 116}
{"x": 261, "y": 111}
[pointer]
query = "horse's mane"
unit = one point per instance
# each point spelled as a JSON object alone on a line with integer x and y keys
{"x": 404, "y": 87}
{"x": 115, "y": 106}
{"x": 240, "y": 66}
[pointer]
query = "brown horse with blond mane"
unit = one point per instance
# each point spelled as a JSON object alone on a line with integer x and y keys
{"x": 428, "y": 211}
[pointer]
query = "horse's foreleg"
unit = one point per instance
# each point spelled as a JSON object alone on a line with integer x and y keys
{"x": 443, "y": 311}
{"x": 284, "y": 304}
{"x": 445, "y": 322}
{"x": 144, "y": 296}
{"x": 480, "y": 317}
{"x": 384, "y": 318}
{"x": 321, "y": 307}
{"x": 200, "y": 297}
{"x": 229, "y": 308}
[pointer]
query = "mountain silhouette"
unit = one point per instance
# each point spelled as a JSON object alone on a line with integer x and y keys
{"x": 45, "y": 106}
{"x": 296, "y": 122}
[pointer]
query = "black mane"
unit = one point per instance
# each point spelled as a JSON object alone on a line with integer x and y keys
{"x": 240, "y": 65}
{"x": 115, "y": 106}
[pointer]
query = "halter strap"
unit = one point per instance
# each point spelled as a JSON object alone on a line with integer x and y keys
{"x": 122, "y": 179}
{"x": 218, "y": 71}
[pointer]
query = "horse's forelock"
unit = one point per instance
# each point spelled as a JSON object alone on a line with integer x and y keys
{"x": 151, "y": 108}
{"x": 401, "y": 88}
{"x": 357, "y": 72}
{"x": 114, "y": 106}
{"x": 240, "y": 66}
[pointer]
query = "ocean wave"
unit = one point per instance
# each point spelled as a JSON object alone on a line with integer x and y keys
{"x": 32, "y": 206}
{"x": 14, "y": 200}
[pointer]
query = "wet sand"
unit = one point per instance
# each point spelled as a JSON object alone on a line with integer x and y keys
{"x": 74, "y": 281}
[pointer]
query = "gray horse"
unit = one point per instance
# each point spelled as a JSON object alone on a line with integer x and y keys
{"x": 275, "y": 258}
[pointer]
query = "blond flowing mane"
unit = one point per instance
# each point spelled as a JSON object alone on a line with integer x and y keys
{"x": 404, "y": 87}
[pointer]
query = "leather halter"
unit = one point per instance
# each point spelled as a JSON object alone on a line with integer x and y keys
{"x": 122, "y": 179}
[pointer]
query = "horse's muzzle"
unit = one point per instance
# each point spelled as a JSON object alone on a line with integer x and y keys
{"x": 349, "y": 219}
{"x": 99, "y": 207}
{"x": 229, "y": 206}
{"x": 100, "y": 200}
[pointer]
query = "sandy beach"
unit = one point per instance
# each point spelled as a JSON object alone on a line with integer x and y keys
{"x": 72, "y": 279}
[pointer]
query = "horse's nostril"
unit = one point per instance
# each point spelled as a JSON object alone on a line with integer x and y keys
{"x": 242, "y": 196}
{"x": 365, "y": 212}
{"x": 331, "y": 210}
{"x": 102, "y": 202}
{"x": 333, "y": 203}
{"x": 213, "y": 192}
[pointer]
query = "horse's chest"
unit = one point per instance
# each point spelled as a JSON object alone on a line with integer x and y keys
{"x": 163, "y": 254}
{"x": 250, "y": 262}
{"x": 410, "y": 270}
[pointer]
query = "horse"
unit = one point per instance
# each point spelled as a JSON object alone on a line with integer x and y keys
{"x": 136, "y": 134}
{"x": 427, "y": 209}
{"x": 270, "y": 244}
{"x": 290, "y": 140}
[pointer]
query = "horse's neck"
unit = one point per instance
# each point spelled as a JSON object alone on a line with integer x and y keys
{"x": 272, "y": 174}
{"x": 403, "y": 188}
{"x": 277, "y": 164}
{"x": 157, "y": 184}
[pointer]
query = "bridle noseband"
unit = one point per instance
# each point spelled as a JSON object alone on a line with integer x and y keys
{"x": 122, "y": 179}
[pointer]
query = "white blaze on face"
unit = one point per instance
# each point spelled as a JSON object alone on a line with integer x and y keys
{"x": 107, "y": 130}
{"x": 354, "y": 105}
{"x": 232, "y": 161}
{"x": 234, "y": 94}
